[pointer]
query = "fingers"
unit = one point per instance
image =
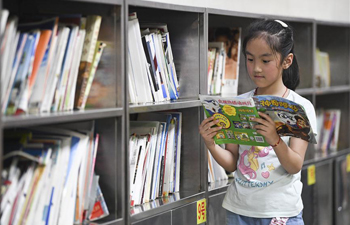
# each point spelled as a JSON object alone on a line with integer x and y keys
{"x": 261, "y": 123}
{"x": 265, "y": 117}
{"x": 265, "y": 120}
{"x": 210, "y": 133}
{"x": 207, "y": 123}
{"x": 265, "y": 124}
{"x": 207, "y": 128}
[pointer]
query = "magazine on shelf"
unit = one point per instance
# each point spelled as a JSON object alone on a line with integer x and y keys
{"x": 322, "y": 69}
{"x": 328, "y": 125}
{"x": 223, "y": 60}
{"x": 236, "y": 113}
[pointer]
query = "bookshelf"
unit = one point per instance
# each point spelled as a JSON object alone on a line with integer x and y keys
{"x": 334, "y": 39}
{"x": 109, "y": 117}
{"x": 188, "y": 27}
{"x": 186, "y": 30}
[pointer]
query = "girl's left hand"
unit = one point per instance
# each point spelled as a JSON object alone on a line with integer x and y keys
{"x": 267, "y": 128}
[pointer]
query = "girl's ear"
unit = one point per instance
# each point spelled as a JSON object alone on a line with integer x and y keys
{"x": 288, "y": 61}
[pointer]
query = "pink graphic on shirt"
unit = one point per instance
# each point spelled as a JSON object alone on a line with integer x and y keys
{"x": 265, "y": 174}
{"x": 264, "y": 152}
{"x": 246, "y": 169}
{"x": 252, "y": 155}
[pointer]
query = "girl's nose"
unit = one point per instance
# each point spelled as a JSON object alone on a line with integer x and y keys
{"x": 257, "y": 68}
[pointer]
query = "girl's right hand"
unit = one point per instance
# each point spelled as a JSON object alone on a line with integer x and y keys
{"x": 208, "y": 132}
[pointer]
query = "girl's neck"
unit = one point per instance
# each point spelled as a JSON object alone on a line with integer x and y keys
{"x": 280, "y": 92}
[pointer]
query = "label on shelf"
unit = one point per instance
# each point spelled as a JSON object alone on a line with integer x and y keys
{"x": 201, "y": 211}
{"x": 311, "y": 175}
{"x": 348, "y": 163}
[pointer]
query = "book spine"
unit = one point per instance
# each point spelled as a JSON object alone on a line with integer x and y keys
{"x": 99, "y": 49}
{"x": 92, "y": 27}
{"x": 161, "y": 177}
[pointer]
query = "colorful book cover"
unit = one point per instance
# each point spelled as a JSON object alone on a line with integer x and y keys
{"x": 39, "y": 84}
{"x": 98, "y": 52}
{"x": 24, "y": 70}
{"x": 103, "y": 93}
{"x": 16, "y": 63}
{"x": 93, "y": 23}
{"x": 100, "y": 209}
{"x": 235, "y": 115}
{"x": 45, "y": 36}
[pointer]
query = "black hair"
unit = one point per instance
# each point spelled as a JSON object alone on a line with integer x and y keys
{"x": 279, "y": 37}
{"x": 226, "y": 32}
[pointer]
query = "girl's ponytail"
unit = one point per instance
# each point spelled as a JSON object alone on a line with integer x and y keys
{"x": 291, "y": 76}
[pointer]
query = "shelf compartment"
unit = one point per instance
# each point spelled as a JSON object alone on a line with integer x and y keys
{"x": 304, "y": 50}
{"x": 318, "y": 198}
{"x": 303, "y": 36}
{"x": 108, "y": 84}
{"x": 191, "y": 165}
{"x": 109, "y": 165}
{"x": 186, "y": 34}
{"x": 335, "y": 40}
{"x": 341, "y": 190}
{"x": 216, "y": 213}
{"x": 223, "y": 18}
{"x": 337, "y": 101}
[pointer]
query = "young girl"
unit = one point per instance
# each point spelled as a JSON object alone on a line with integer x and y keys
{"x": 267, "y": 187}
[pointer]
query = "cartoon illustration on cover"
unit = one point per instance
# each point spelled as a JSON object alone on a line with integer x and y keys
{"x": 290, "y": 118}
{"x": 212, "y": 106}
{"x": 288, "y": 123}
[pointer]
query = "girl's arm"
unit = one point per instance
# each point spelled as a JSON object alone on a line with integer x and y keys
{"x": 227, "y": 158}
{"x": 291, "y": 157}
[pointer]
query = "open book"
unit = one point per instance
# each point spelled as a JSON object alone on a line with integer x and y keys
{"x": 235, "y": 113}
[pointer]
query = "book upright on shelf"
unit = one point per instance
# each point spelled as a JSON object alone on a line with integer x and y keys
{"x": 322, "y": 69}
{"x": 223, "y": 60}
{"x": 328, "y": 124}
{"x": 93, "y": 23}
{"x": 151, "y": 74}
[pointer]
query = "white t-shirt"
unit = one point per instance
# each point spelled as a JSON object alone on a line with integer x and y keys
{"x": 262, "y": 188}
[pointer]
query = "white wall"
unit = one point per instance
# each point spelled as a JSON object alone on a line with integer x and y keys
{"x": 325, "y": 10}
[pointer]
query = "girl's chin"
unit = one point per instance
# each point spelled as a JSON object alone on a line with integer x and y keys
{"x": 259, "y": 82}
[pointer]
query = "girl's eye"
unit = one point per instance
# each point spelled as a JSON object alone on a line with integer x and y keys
{"x": 250, "y": 60}
{"x": 266, "y": 61}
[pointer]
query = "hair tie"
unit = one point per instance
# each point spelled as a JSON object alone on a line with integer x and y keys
{"x": 283, "y": 24}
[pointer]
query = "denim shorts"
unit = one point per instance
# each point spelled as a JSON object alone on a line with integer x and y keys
{"x": 235, "y": 219}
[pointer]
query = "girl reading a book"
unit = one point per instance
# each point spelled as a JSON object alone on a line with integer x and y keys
{"x": 266, "y": 187}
